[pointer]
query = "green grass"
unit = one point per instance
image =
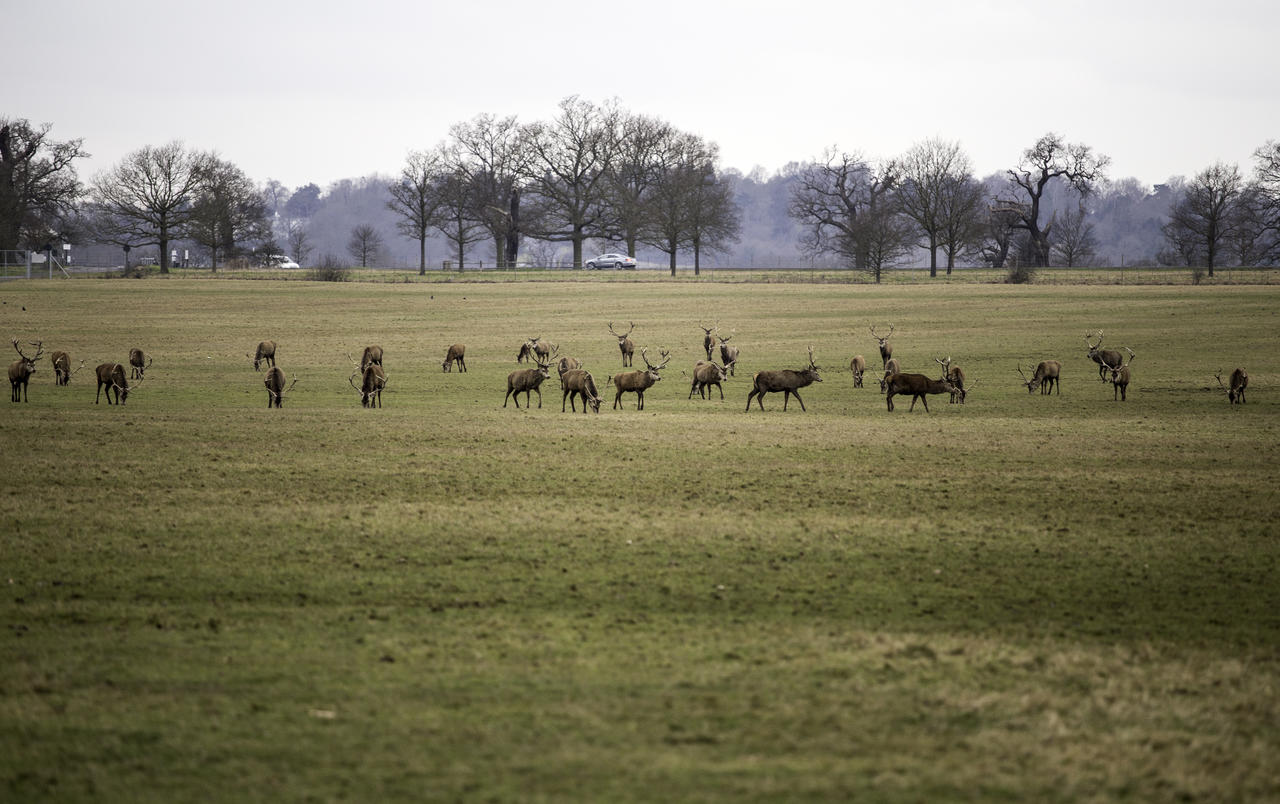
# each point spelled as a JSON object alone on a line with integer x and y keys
{"x": 1021, "y": 598}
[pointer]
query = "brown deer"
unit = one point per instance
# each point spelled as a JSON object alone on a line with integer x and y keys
{"x": 456, "y": 354}
{"x": 886, "y": 348}
{"x": 579, "y": 382}
{"x": 1046, "y": 377}
{"x": 890, "y": 368}
{"x": 955, "y": 376}
{"x": 1239, "y": 382}
{"x": 709, "y": 341}
{"x": 1107, "y": 359}
{"x": 639, "y": 381}
{"x": 858, "y": 366}
{"x": 274, "y": 382}
{"x": 372, "y": 356}
{"x": 1120, "y": 377}
{"x": 62, "y": 372}
{"x": 527, "y": 381}
{"x": 111, "y": 376}
{"x": 785, "y": 380}
{"x": 625, "y": 344}
{"x": 707, "y": 373}
{"x": 136, "y": 360}
{"x": 567, "y": 363}
{"x": 20, "y": 371}
{"x": 728, "y": 354}
{"x": 918, "y": 385}
{"x": 372, "y": 381}
{"x": 534, "y": 348}
{"x": 266, "y": 353}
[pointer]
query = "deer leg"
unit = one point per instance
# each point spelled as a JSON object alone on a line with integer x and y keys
{"x": 798, "y": 399}
{"x": 639, "y": 400}
{"x": 721, "y": 389}
{"x": 786, "y": 397}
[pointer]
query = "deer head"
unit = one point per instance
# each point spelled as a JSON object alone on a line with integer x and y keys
{"x": 1093, "y": 347}
{"x": 946, "y": 365}
{"x": 813, "y": 368}
{"x": 885, "y": 340}
{"x": 30, "y": 361}
{"x": 1031, "y": 384}
{"x": 652, "y": 369}
{"x": 624, "y": 336}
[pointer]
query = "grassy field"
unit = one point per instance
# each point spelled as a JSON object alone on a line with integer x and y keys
{"x": 1025, "y": 598}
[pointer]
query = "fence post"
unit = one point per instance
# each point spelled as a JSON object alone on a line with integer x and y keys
{"x": 28, "y": 263}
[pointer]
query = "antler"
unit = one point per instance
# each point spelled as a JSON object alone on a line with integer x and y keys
{"x": 812, "y": 365}
{"x": 1093, "y": 346}
{"x": 72, "y": 374}
{"x": 1024, "y": 376}
{"x": 354, "y": 362}
{"x": 39, "y": 350}
{"x": 1218, "y": 377}
{"x": 666, "y": 354}
{"x": 614, "y": 334}
{"x": 1131, "y": 356}
{"x": 946, "y": 364}
{"x": 351, "y": 381}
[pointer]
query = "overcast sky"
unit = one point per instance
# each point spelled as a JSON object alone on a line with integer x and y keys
{"x": 321, "y": 90}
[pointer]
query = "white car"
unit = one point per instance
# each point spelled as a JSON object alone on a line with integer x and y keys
{"x": 614, "y": 261}
{"x": 281, "y": 261}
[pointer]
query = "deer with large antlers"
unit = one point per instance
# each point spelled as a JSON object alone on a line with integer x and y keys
{"x": 639, "y": 381}
{"x": 1239, "y": 382}
{"x": 111, "y": 377}
{"x": 139, "y": 362}
{"x": 527, "y": 381}
{"x": 955, "y": 376}
{"x": 372, "y": 382}
{"x": 709, "y": 341}
{"x": 918, "y": 385}
{"x": 1120, "y": 377}
{"x": 20, "y": 371}
{"x": 456, "y": 354}
{"x": 1107, "y": 359}
{"x": 62, "y": 372}
{"x": 728, "y": 354}
{"x": 787, "y": 381}
{"x": 579, "y": 382}
{"x": 274, "y": 382}
{"x": 707, "y": 373}
{"x": 886, "y": 348}
{"x": 625, "y": 344}
{"x": 266, "y": 352}
{"x": 535, "y": 348}
{"x": 1046, "y": 378}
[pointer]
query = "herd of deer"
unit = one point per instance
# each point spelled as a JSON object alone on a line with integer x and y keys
{"x": 576, "y": 382}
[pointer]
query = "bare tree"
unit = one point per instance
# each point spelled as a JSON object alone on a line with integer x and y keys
{"x": 416, "y": 199}
{"x": 459, "y": 197}
{"x": 935, "y": 176}
{"x": 963, "y": 218}
{"x": 1206, "y": 214}
{"x": 1049, "y": 159}
{"x": 365, "y": 244}
{"x": 1074, "y": 242}
{"x": 228, "y": 211}
{"x": 492, "y": 153}
{"x": 714, "y": 219}
{"x": 147, "y": 199}
{"x": 679, "y": 167}
{"x": 38, "y": 182}
{"x": 299, "y": 241}
{"x": 640, "y": 142}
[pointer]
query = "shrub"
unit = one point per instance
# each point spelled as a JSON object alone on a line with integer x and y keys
{"x": 329, "y": 269}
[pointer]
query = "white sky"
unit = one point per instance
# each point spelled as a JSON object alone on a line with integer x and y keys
{"x": 321, "y": 90}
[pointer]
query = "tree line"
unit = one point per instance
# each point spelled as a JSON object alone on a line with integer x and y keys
{"x": 599, "y": 174}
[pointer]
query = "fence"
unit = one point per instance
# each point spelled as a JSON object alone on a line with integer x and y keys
{"x": 30, "y": 265}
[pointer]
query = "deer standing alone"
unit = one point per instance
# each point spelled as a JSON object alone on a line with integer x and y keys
{"x": 139, "y": 362}
{"x": 274, "y": 381}
{"x": 918, "y": 385}
{"x": 639, "y": 381}
{"x": 1107, "y": 359}
{"x": 728, "y": 354}
{"x": 456, "y": 354}
{"x": 266, "y": 353}
{"x": 579, "y": 382}
{"x": 20, "y": 371}
{"x": 625, "y": 344}
{"x": 707, "y": 373}
{"x": 1046, "y": 378}
{"x": 1120, "y": 377}
{"x": 886, "y": 348}
{"x": 787, "y": 381}
{"x": 1239, "y": 382}
{"x": 527, "y": 381}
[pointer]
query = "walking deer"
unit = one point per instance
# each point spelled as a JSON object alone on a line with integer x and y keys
{"x": 1239, "y": 382}
{"x": 1046, "y": 377}
{"x": 639, "y": 381}
{"x": 274, "y": 382}
{"x": 1120, "y": 377}
{"x": 579, "y": 382}
{"x": 787, "y": 381}
{"x": 266, "y": 353}
{"x": 858, "y": 366}
{"x": 456, "y": 354}
{"x": 136, "y": 358}
{"x": 625, "y": 344}
{"x": 1107, "y": 359}
{"x": 708, "y": 342}
{"x": 886, "y": 348}
{"x": 527, "y": 381}
{"x": 728, "y": 354}
{"x": 918, "y": 385}
{"x": 707, "y": 373}
{"x": 20, "y": 371}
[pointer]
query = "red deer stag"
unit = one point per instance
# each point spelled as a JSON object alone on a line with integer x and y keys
{"x": 20, "y": 371}
{"x": 456, "y": 354}
{"x": 955, "y": 376}
{"x": 111, "y": 376}
{"x": 62, "y": 372}
{"x": 787, "y": 381}
{"x": 274, "y": 382}
{"x": 527, "y": 381}
{"x": 266, "y": 353}
{"x": 1239, "y": 382}
{"x": 1107, "y": 359}
{"x": 639, "y": 381}
{"x": 372, "y": 355}
{"x": 139, "y": 362}
{"x": 707, "y": 373}
{"x": 728, "y": 354}
{"x": 1046, "y": 377}
{"x": 567, "y": 363}
{"x": 625, "y": 344}
{"x": 886, "y": 348}
{"x": 858, "y": 366}
{"x": 372, "y": 382}
{"x": 579, "y": 382}
{"x": 1120, "y": 377}
{"x": 890, "y": 368}
{"x": 918, "y": 385}
{"x": 709, "y": 340}
{"x": 535, "y": 348}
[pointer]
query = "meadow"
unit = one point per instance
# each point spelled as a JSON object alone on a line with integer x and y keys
{"x": 1024, "y": 597}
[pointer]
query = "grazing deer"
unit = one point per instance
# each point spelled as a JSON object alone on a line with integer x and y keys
{"x": 625, "y": 344}
{"x": 567, "y": 363}
{"x": 785, "y": 380}
{"x": 1046, "y": 377}
{"x": 707, "y": 373}
{"x": 1239, "y": 382}
{"x": 534, "y": 348}
{"x": 372, "y": 381}
{"x": 579, "y": 382}
{"x": 136, "y": 358}
{"x": 111, "y": 376}
{"x": 918, "y": 386}
{"x": 890, "y": 368}
{"x": 709, "y": 341}
{"x": 456, "y": 354}
{"x": 639, "y": 381}
{"x": 858, "y": 366}
{"x": 728, "y": 354}
{"x": 20, "y": 371}
{"x": 1120, "y": 377}
{"x": 62, "y": 372}
{"x": 274, "y": 382}
{"x": 1107, "y": 359}
{"x": 527, "y": 381}
{"x": 886, "y": 348}
{"x": 955, "y": 376}
{"x": 266, "y": 353}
